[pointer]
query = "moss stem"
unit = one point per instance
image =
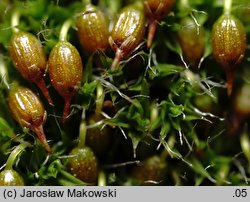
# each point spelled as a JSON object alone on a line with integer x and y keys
{"x": 82, "y": 134}
{"x": 227, "y": 7}
{"x": 12, "y": 158}
{"x": 64, "y": 30}
{"x": 67, "y": 179}
{"x": 102, "y": 179}
{"x": 15, "y": 18}
{"x": 86, "y": 2}
{"x": 4, "y": 72}
{"x": 99, "y": 99}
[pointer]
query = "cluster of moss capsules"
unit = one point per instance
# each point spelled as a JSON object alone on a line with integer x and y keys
{"x": 123, "y": 36}
{"x": 64, "y": 64}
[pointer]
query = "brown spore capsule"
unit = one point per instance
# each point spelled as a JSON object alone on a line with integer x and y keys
{"x": 228, "y": 44}
{"x": 27, "y": 109}
{"x": 29, "y": 58}
{"x": 155, "y": 10}
{"x": 92, "y": 29}
{"x": 65, "y": 71}
{"x": 127, "y": 32}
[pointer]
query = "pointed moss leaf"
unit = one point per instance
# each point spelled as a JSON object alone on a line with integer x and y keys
{"x": 135, "y": 141}
{"x": 114, "y": 96}
{"x": 164, "y": 110}
{"x": 138, "y": 122}
{"x": 176, "y": 123}
{"x": 144, "y": 87}
{"x": 176, "y": 110}
{"x": 245, "y": 145}
{"x": 208, "y": 47}
{"x": 117, "y": 122}
{"x": 137, "y": 86}
{"x": 173, "y": 45}
{"x": 36, "y": 158}
{"x": 200, "y": 17}
{"x": 54, "y": 168}
{"x": 198, "y": 180}
{"x": 135, "y": 107}
{"x": 165, "y": 130}
{"x": 106, "y": 61}
{"x": 141, "y": 85}
{"x": 199, "y": 168}
{"x": 155, "y": 124}
{"x": 192, "y": 117}
{"x": 178, "y": 87}
{"x": 163, "y": 70}
{"x": 5, "y": 129}
{"x": 144, "y": 98}
{"x": 88, "y": 89}
{"x": 221, "y": 160}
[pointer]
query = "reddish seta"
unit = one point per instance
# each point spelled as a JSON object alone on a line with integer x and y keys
{"x": 156, "y": 10}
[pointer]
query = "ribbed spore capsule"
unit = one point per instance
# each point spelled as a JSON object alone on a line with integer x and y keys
{"x": 92, "y": 29}
{"x": 27, "y": 109}
{"x": 65, "y": 71}
{"x": 11, "y": 178}
{"x": 127, "y": 32}
{"x": 192, "y": 41}
{"x": 29, "y": 58}
{"x": 155, "y": 10}
{"x": 228, "y": 44}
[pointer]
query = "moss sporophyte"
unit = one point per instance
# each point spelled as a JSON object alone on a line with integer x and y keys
{"x": 65, "y": 69}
